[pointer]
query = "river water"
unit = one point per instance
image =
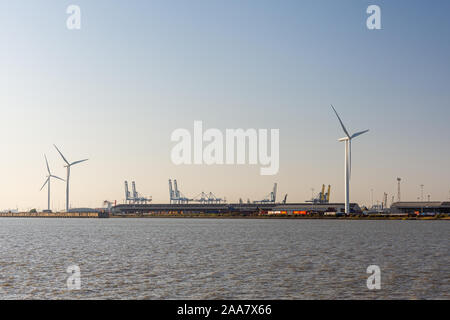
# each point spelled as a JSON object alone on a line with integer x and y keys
{"x": 223, "y": 258}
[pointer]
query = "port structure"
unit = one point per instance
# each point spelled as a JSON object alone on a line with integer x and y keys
{"x": 322, "y": 197}
{"x": 208, "y": 198}
{"x": 177, "y": 197}
{"x": 242, "y": 202}
{"x": 271, "y": 197}
{"x": 109, "y": 204}
{"x": 136, "y": 197}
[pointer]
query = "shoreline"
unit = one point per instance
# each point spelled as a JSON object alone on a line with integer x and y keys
{"x": 102, "y": 215}
{"x": 446, "y": 218}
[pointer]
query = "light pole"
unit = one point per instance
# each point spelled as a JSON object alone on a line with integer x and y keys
{"x": 371, "y": 196}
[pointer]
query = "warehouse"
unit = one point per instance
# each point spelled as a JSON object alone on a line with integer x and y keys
{"x": 307, "y": 208}
{"x": 418, "y": 207}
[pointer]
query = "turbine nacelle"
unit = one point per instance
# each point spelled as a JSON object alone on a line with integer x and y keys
{"x": 68, "y": 164}
{"x": 50, "y": 175}
{"x": 352, "y": 136}
{"x": 75, "y": 162}
{"x": 348, "y": 136}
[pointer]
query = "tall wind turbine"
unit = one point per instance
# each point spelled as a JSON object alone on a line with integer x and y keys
{"x": 47, "y": 182}
{"x": 348, "y": 159}
{"x": 68, "y": 165}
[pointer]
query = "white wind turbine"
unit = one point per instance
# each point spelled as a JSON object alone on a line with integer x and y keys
{"x": 68, "y": 165}
{"x": 348, "y": 159}
{"x": 47, "y": 182}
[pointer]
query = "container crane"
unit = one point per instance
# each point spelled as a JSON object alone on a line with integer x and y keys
{"x": 322, "y": 197}
{"x": 271, "y": 197}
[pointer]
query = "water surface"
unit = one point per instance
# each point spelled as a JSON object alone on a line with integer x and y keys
{"x": 223, "y": 258}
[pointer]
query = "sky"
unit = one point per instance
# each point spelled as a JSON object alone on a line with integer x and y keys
{"x": 116, "y": 89}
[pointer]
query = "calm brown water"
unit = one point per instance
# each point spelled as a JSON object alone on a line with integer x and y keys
{"x": 223, "y": 259}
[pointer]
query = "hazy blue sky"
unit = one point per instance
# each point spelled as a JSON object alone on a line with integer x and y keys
{"x": 137, "y": 70}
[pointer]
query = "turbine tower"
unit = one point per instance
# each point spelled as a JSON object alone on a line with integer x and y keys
{"x": 348, "y": 159}
{"x": 68, "y": 165}
{"x": 47, "y": 182}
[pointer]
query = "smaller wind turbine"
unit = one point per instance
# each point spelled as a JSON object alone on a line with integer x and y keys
{"x": 47, "y": 182}
{"x": 348, "y": 159}
{"x": 68, "y": 165}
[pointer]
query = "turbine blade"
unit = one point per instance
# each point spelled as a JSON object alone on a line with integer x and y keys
{"x": 57, "y": 178}
{"x": 359, "y": 133}
{"x": 46, "y": 162}
{"x": 65, "y": 160}
{"x": 78, "y": 161}
{"x": 44, "y": 183}
{"x": 342, "y": 125}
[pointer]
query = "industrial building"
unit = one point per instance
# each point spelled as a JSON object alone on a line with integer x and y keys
{"x": 236, "y": 208}
{"x": 190, "y": 208}
{"x": 320, "y": 208}
{"x": 419, "y": 207}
